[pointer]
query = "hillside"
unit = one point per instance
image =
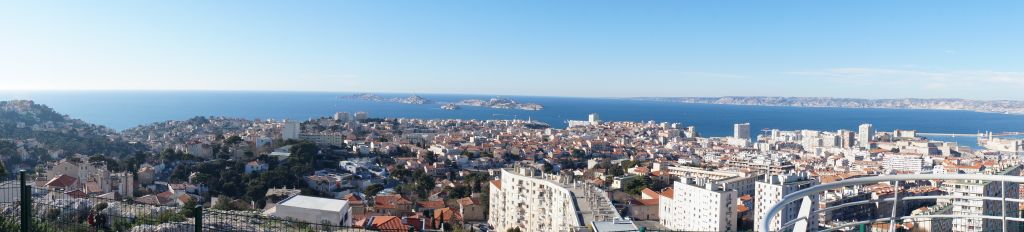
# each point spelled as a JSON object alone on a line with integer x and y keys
{"x": 31, "y": 133}
{"x": 1003, "y": 107}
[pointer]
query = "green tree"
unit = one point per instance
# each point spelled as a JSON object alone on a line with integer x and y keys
{"x": 234, "y": 139}
{"x": 401, "y": 173}
{"x": 188, "y": 210}
{"x": 615, "y": 170}
{"x": 373, "y": 189}
{"x": 3, "y": 170}
{"x": 547, "y": 168}
{"x": 577, "y": 153}
{"x": 460, "y": 192}
{"x": 636, "y": 185}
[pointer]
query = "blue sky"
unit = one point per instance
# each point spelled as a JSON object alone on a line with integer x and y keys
{"x": 867, "y": 49}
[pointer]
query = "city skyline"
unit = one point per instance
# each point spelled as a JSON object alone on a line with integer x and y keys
{"x": 580, "y": 49}
{"x": 511, "y": 116}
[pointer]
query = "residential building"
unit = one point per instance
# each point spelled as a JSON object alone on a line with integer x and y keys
{"x": 699, "y": 205}
{"x": 361, "y": 116}
{"x": 847, "y": 138}
{"x": 865, "y": 133}
{"x": 646, "y": 207}
{"x": 743, "y": 183}
{"x": 933, "y": 224}
{"x": 525, "y": 200}
{"x": 905, "y": 134}
{"x": 291, "y": 130}
{"x": 471, "y": 209}
{"x": 906, "y": 163}
{"x": 324, "y": 138}
{"x": 770, "y": 192}
{"x": 341, "y": 116}
{"x": 741, "y": 131}
{"x": 978, "y": 188}
{"x": 846, "y": 214}
{"x": 392, "y": 204}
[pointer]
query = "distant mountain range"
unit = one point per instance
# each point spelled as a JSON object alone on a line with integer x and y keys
{"x": 997, "y": 106}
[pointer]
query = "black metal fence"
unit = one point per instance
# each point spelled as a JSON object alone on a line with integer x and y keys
{"x": 26, "y": 208}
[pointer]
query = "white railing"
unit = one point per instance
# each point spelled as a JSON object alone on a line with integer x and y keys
{"x": 799, "y": 224}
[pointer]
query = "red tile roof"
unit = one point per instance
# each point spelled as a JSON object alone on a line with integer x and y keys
{"x": 468, "y": 201}
{"x": 646, "y": 201}
{"x": 353, "y": 199}
{"x": 77, "y": 194}
{"x": 389, "y": 201}
{"x": 667, "y": 192}
{"x": 447, "y": 215}
{"x": 62, "y": 181}
{"x": 496, "y": 183}
{"x": 431, "y": 204}
{"x": 648, "y": 193}
{"x": 385, "y": 223}
{"x": 165, "y": 194}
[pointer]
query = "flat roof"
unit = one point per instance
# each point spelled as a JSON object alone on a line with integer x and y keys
{"x": 307, "y": 202}
{"x": 278, "y": 153}
{"x": 613, "y": 226}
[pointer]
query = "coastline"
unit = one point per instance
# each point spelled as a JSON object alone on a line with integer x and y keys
{"x": 820, "y": 107}
{"x": 122, "y": 110}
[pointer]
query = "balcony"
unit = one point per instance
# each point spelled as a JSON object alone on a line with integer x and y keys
{"x": 1004, "y": 220}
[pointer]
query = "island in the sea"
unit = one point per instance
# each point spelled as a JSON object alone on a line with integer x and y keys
{"x": 500, "y": 103}
{"x": 993, "y": 106}
{"x": 414, "y": 99}
{"x": 450, "y": 106}
{"x": 496, "y": 103}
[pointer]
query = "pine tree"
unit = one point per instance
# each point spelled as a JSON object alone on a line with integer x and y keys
{"x": 3, "y": 170}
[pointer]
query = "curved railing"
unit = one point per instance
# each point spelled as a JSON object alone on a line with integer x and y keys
{"x": 765, "y": 225}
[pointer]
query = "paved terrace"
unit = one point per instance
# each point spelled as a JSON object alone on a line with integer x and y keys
{"x": 592, "y": 203}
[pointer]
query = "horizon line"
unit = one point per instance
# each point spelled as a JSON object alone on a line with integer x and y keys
{"x": 474, "y": 94}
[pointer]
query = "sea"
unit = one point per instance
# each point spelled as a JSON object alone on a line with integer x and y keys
{"x": 125, "y": 109}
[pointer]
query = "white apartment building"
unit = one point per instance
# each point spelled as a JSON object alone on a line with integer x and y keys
{"x": 699, "y": 205}
{"x": 906, "y": 163}
{"x": 362, "y": 116}
{"x": 975, "y": 188}
{"x": 290, "y": 130}
{"x": 743, "y": 183}
{"x": 521, "y": 199}
{"x": 323, "y": 138}
{"x": 771, "y": 190}
{"x": 79, "y": 170}
{"x": 905, "y": 133}
{"x": 341, "y": 116}
{"x": 864, "y": 134}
